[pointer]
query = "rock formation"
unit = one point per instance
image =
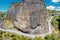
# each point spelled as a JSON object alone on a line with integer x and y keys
{"x": 29, "y": 15}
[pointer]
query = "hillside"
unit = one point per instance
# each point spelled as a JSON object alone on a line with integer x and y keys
{"x": 53, "y": 11}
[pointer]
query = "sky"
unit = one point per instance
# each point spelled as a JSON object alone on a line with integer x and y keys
{"x": 50, "y": 4}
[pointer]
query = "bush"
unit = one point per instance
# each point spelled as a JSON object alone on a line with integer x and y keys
{"x": 51, "y": 37}
{"x": 55, "y": 22}
{"x": 10, "y": 36}
{"x": 38, "y": 38}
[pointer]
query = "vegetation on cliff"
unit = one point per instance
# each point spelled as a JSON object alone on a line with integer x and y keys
{"x": 2, "y": 15}
{"x": 16, "y": 3}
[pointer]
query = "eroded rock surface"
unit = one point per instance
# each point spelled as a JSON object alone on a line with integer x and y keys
{"x": 28, "y": 15}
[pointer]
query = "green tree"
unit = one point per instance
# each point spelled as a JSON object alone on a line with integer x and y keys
{"x": 51, "y": 37}
{"x": 1, "y": 33}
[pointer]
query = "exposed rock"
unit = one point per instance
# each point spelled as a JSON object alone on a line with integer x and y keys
{"x": 5, "y": 25}
{"x": 28, "y": 14}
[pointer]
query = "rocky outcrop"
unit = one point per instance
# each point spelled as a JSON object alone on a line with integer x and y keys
{"x": 28, "y": 15}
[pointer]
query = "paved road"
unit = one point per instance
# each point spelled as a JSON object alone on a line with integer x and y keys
{"x": 50, "y": 26}
{"x": 31, "y": 35}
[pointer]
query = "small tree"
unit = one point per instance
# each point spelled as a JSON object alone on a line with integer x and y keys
{"x": 51, "y": 37}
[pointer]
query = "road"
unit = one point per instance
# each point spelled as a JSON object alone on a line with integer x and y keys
{"x": 31, "y": 35}
{"x": 50, "y": 26}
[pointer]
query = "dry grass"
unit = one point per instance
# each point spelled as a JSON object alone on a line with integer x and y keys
{"x": 8, "y": 23}
{"x": 55, "y": 30}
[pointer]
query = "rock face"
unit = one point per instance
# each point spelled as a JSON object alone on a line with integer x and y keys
{"x": 28, "y": 15}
